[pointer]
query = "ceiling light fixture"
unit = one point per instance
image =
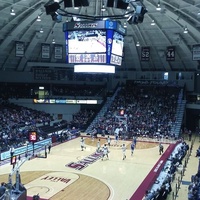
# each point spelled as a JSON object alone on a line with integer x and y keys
{"x": 185, "y": 30}
{"x": 125, "y": 25}
{"x": 158, "y": 6}
{"x": 53, "y": 41}
{"x": 41, "y": 30}
{"x": 103, "y": 9}
{"x": 153, "y": 23}
{"x": 38, "y": 18}
{"x": 12, "y": 11}
{"x": 126, "y": 14}
{"x": 137, "y": 44}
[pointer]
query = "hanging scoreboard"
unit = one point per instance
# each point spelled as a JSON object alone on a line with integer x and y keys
{"x": 98, "y": 42}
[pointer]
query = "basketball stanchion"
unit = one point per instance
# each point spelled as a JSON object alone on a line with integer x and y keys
{"x": 41, "y": 152}
{"x": 17, "y": 190}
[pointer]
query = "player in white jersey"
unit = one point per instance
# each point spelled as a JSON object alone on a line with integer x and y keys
{"x": 108, "y": 140}
{"x": 98, "y": 146}
{"x": 105, "y": 151}
{"x": 124, "y": 151}
{"x": 117, "y": 135}
{"x": 93, "y": 134}
{"x": 82, "y": 144}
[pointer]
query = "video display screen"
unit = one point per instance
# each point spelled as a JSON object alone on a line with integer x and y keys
{"x": 115, "y": 60}
{"x": 86, "y": 41}
{"x": 32, "y": 136}
{"x": 118, "y": 43}
{"x": 97, "y": 42}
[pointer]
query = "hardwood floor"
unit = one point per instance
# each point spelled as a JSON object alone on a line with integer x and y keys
{"x": 69, "y": 173}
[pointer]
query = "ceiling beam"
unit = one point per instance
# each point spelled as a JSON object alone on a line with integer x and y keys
{"x": 17, "y": 30}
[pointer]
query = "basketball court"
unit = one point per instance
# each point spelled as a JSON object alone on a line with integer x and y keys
{"x": 69, "y": 173}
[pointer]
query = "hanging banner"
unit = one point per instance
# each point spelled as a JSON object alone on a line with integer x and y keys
{"x": 45, "y": 51}
{"x": 58, "y": 52}
{"x": 170, "y": 54}
{"x": 145, "y": 53}
{"x": 19, "y": 49}
{"x": 196, "y": 52}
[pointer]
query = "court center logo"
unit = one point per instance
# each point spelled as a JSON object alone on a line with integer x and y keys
{"x": 85, "y": 162}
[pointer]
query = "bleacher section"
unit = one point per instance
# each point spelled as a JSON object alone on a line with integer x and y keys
{"x": 150, "y": 111}
{"x": 102, "y": 112}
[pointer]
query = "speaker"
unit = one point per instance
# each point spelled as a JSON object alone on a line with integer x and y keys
{"x": 117, "y": 4}
{"x": 122, "y": 5}
{"x": 51, "y": 8}
{"x": 75, "y": 3}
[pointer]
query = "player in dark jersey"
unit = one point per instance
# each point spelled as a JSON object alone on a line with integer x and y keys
{"x": 132, "y": 148}
{"x": 82, "y": 144}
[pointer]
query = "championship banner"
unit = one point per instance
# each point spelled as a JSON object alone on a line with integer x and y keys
{"x": 45, "y": 51}
{"x": 196, "y": 52}
{"x": 170, "y": 54}
{"x": 145, "y": 53}
{"x": 58, "y": 52}
{"x": 19, "y": 49}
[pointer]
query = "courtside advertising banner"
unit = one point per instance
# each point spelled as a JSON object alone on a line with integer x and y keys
{"x": 24, "y": 149}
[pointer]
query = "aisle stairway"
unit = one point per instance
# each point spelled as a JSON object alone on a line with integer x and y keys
{"x": 103, "y": 110}
{"x": 181, "y": 104}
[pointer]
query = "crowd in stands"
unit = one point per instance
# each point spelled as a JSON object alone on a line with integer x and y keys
{"x": 162, "y": 186}
{"x": 148, "y": 111}
{"x": 16, "y": 121}
{"x": 194, "y": 187}
{"x": 81, "y": 118}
